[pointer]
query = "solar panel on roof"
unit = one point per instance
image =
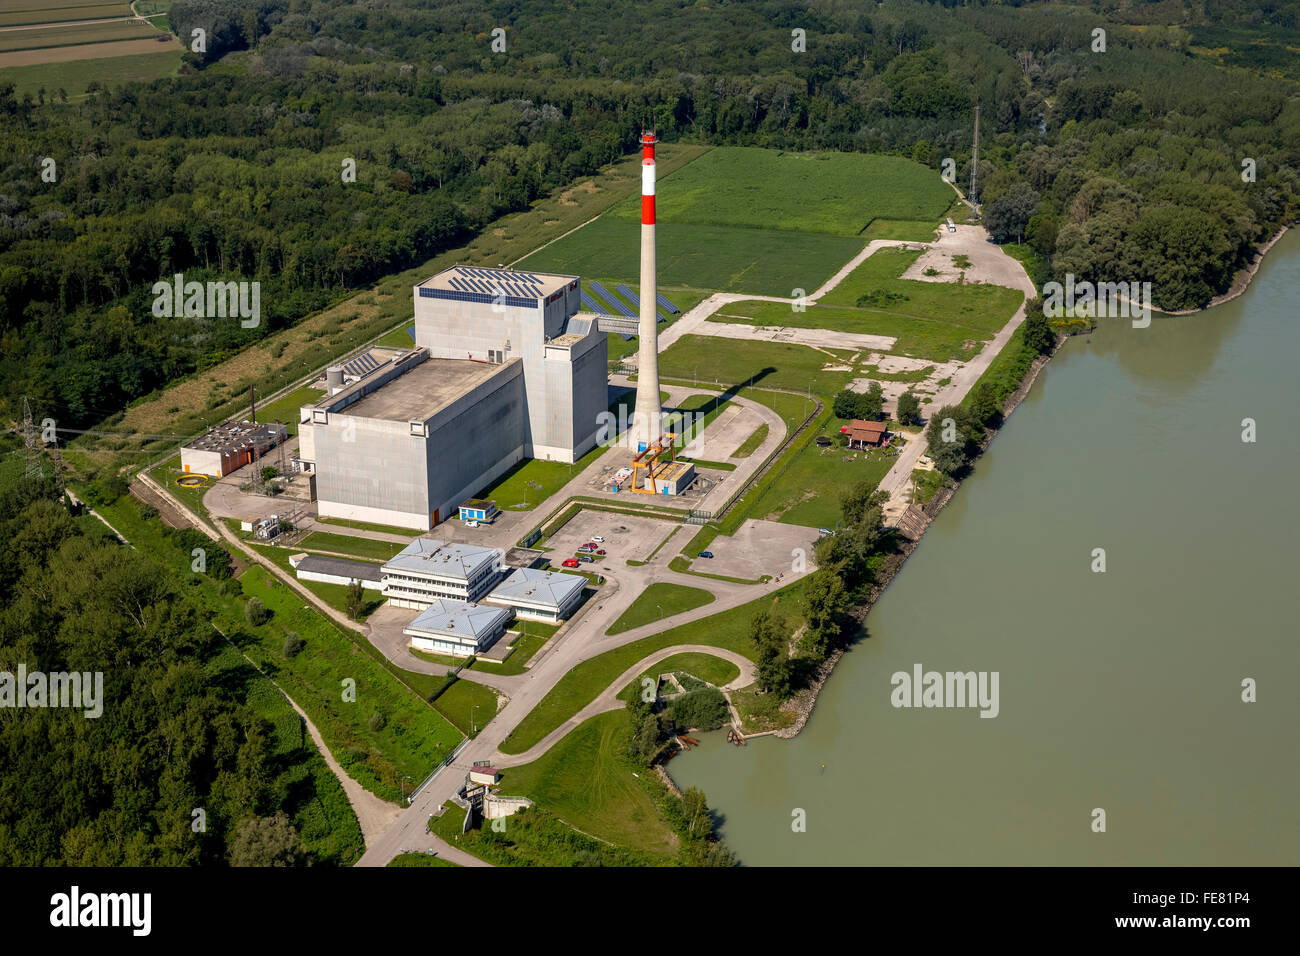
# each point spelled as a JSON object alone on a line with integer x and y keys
{"x": 666, "y": 304}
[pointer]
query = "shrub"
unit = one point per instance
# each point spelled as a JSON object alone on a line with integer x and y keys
{"x": 256, "y": 613}
{"x": 377, "y": 722}
{"x": 700, "y": 709}
{"x": 293, "y": 644}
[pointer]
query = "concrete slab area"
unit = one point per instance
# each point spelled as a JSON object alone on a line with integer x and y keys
{"x": 817, "y": 338}
{"x": 625, "y": 537}
{"x": 758, "y": 548}
{"x": 724, "y": 434}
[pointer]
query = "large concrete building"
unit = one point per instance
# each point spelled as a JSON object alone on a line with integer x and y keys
{"x": 504, "y": 369}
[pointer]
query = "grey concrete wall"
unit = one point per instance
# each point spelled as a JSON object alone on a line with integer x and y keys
{"x": 371, "y": 463}
{"x": 475, "y": 439}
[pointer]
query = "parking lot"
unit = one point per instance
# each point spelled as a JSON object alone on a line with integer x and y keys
{"x": 757, "y": 548}
{"x": 625, "y": 536}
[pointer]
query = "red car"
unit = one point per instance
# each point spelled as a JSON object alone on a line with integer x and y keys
{"x": 570, "y": 562}
{"x": 591, "y": 544}
{"x": 600, "y": 550}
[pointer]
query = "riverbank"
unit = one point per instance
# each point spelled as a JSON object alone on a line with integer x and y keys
{"x": 804, "y": 701}
{"x": 1240, "y": 282}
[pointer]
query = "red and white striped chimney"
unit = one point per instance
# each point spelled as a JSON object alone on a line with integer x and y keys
{"x": 646, "y": 420}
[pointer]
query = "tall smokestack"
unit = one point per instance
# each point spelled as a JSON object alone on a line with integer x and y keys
{"x": 646, "y": 419}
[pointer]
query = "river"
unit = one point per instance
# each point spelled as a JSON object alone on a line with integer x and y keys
{"x": 1119, "y": 690}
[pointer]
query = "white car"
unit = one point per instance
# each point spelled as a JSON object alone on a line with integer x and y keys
{"x": 471, "y": 524}
{"x": 598, "y": 539}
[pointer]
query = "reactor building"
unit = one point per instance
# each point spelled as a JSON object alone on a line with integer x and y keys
{"x": 503, "y": 368}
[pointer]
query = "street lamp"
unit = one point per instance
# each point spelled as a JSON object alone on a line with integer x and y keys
{"x": 473, "y": 727}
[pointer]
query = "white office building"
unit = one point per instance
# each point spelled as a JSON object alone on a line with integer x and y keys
{"x": 457, "y": 628}
{"x": 539, "y": 595}
{"x": 428, "y": 571}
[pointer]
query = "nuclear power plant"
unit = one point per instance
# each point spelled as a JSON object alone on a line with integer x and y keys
{"x": 504, "y": 367}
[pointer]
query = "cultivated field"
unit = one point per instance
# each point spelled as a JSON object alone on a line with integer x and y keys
{"x": 760, "y": 221}
{"x": 61, "y": 46}
{"x": 714, "y": 258}
{"x": 835, "y": 193}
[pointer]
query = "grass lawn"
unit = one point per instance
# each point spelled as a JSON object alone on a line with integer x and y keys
{"x": 586, "y": 781}
{"x": 759, "y": 712}
{"x": 660, "y": 600}
{"x": 982, "y": 307}
{"x": 367, "y": 526}
{"x": 414, "y": 738}
{"x": 532, "y": 481}
{"x": 705, "y": 667}
{"x": 167, "y": 473}
{"x": 348, "y": 544}
{"x": 287, "y": 408}
{"x": 533, "y": 635}
{"x": 808, "y": 492}
{"x": 398, "y": 338}
{"x": 335, "y": 595}
{"x": 726, "y": 362}
{"x": 751, "y": 444}
{"x": 467, "y": 705}
{"x": 581, "y": 685}
{"x": 932, "y": 339}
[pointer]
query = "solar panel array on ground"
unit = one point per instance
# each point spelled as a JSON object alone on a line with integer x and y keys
{"x": 636, "y": 300}
{"x": 592, "y": 305}
{"x": 666, "y": 304}
{"x": 525, "y": 285}
{"x": 613, "y": 300}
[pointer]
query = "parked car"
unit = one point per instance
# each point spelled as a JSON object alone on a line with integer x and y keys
{"x": 471, "y": 524}
{"x": 600, "y": 550}
{"x": 590, "y": 544}
{"x": 598, "y": 539}
{"x": 570, "y": 562}
{"x": 586, "y": 549}
{"x": 705, "y": 554}
{"x": 825, "y": 531}
{"x": 586, "y": 558}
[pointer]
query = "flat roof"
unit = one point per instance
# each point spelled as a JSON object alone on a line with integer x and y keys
{"x": 547, "y": 588}
{"x": 673, "y": 469}
{"x": 458, "y": 562}
{"x": 424, "y": 390}
{"x": 511, "y": 282}
{"x": 321, "y": 564}
{"x": 234, "y": 435}
{"x": 457, "y": 619}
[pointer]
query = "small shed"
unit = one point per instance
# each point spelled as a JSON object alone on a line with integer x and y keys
{"x": 864, "y": 434}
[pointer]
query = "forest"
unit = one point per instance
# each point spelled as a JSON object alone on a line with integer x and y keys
{"x": 180, "y": 768}
{"x": 239, "y": 168}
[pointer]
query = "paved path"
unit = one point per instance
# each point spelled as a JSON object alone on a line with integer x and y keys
{"x": 608, "y": 699}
